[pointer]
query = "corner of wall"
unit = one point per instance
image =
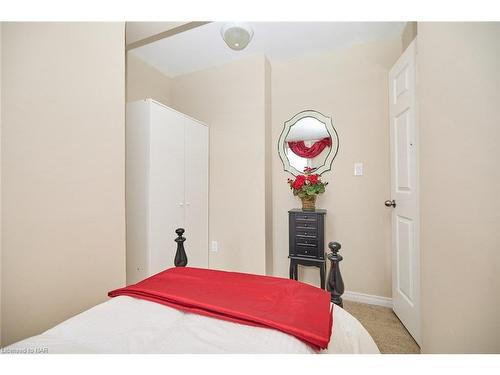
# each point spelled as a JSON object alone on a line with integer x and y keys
{"x": 268, "y": 168}
{"x": 409, "y": 33}
{"x": 146, "y": 81}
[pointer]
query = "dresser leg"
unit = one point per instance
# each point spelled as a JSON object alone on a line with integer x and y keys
{"x": 293, "y": 270}
{"x": 296, "y": 271}
{"x": 322, "y": 275}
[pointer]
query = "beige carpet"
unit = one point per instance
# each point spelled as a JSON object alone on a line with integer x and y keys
{"x": 385, "y": 328}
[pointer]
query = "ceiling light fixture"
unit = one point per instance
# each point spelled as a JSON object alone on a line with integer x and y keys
{"x": 236, "y": 35}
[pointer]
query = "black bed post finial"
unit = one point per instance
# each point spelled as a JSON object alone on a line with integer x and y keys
{"x": 180, "y": 259}
{"x": 335, "y": 282}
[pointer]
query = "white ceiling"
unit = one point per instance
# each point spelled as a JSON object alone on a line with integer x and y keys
{"x": 203, "y": 47}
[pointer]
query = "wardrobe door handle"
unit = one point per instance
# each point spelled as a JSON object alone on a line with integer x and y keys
{"x": 188, "y": 203}
{"x": 181, "y": 204}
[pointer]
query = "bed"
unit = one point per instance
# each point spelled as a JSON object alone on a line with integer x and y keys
{"x": 127, "y": 325}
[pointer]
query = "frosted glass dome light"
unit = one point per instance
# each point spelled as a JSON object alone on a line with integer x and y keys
{"x": 236, "y": 35}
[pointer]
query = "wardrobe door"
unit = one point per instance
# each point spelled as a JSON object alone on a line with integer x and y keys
{"x": 196, "y": 188}
{"x": 166, "y": 185}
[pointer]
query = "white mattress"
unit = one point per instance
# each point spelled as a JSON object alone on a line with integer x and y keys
{"x": 129, "y": 325}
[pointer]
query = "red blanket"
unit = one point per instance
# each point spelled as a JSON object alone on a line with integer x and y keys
{"x": 292, "y": 307}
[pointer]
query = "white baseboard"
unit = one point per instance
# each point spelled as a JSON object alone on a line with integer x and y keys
{"x": 367, "y": 298}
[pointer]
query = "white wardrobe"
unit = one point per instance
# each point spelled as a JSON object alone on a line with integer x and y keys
{"x": 166, "y": 188}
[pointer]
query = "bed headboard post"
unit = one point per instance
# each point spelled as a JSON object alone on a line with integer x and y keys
{"x": 335, "y": 283}
{"x": 180, "y": 259}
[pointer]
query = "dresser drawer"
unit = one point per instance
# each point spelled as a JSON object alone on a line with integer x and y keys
{"x": 307, "y": 242}
{"x": 301, "y": 225}
{"x": 307, "y": 218}
{"x": 308, "y": 233}
{"x": 306, "y": 251}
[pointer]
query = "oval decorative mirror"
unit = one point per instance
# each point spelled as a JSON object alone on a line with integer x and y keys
{"x": 309, "y": 140}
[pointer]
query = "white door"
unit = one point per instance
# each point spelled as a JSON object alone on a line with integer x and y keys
{"x": 196, "y": 193}
{"x": 405, "y": 192}
{"x": 166, "y": 185}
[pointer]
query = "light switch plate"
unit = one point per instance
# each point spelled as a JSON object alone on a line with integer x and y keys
{"x": 358, "y": 169}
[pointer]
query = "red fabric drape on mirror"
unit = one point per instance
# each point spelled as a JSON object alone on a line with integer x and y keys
{"x": 299, "y": 148}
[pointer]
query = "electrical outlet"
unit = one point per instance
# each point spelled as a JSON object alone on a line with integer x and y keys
{"x": 358, "y": 169}
{"x": 215, "y": 246}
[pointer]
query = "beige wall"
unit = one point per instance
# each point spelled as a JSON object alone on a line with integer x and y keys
{"x": 231, "y": 100}
{"x": 144, "y": 81}
{"x": 351, "y": 86}
{"x": 458, "y": 94}
{"x": 63, "y": 217}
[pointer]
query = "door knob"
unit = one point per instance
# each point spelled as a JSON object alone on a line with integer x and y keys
{"x": 390, "y": 203}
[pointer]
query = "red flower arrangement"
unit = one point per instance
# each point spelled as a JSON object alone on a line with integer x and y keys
{"x": 307, "y": 184}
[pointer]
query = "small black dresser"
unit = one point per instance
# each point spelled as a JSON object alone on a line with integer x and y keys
{"x": 307, "y": 241}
